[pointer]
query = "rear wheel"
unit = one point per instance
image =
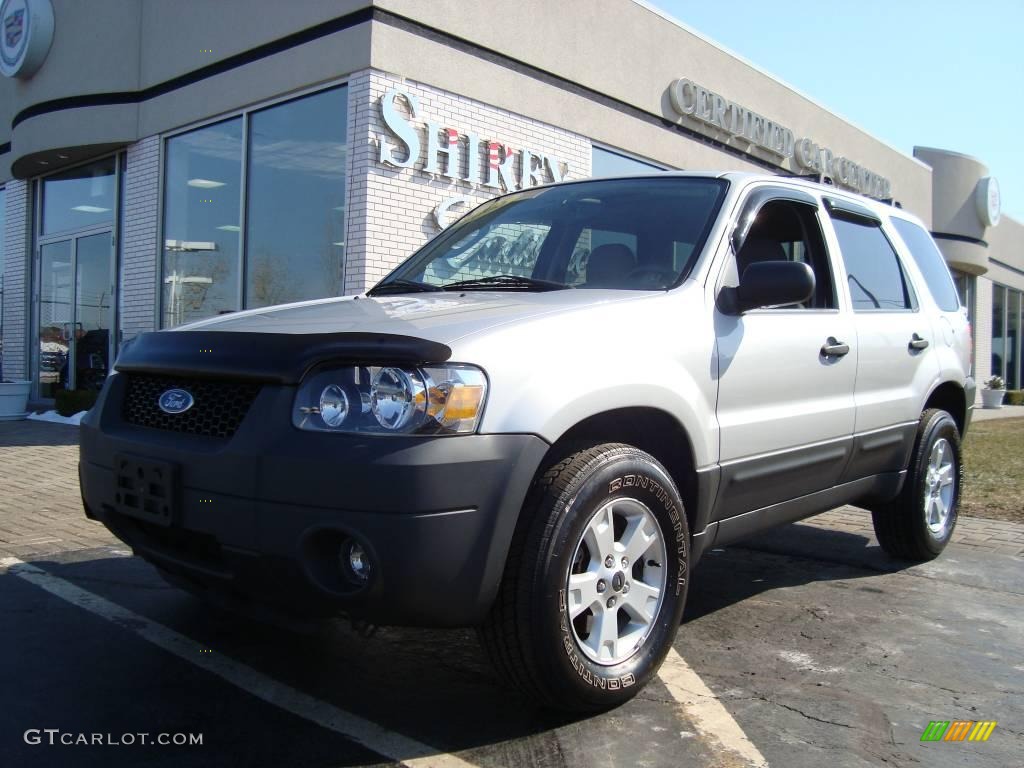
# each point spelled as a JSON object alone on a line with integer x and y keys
{"x": 595, "y": 583}
{"x": 919, "y": 523}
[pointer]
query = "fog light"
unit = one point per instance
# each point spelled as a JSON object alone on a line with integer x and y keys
{"x": 355, "y": 562}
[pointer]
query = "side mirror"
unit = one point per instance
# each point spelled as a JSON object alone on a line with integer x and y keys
{"x": 769, "y": 284}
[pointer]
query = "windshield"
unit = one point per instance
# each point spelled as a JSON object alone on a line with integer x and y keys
{"x": 627, "y": 234}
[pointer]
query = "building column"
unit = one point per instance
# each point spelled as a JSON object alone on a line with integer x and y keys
{"x": 139, "y": 281}
{"x": 17, "y": 280}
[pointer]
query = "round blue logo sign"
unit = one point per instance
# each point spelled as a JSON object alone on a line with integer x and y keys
{"x": 175, "y": 401}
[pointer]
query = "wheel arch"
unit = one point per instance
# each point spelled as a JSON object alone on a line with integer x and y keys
{"x": 652, "y": 430}
{"x": 950, "y": 397}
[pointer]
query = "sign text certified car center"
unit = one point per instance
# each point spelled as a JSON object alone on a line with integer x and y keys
{"x": 711, "y": 111}
{"x": 507, "y": 170}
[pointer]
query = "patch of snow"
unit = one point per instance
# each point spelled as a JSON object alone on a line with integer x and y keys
{"x": 55, "y": 418}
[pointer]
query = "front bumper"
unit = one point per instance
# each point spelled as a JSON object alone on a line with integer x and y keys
{"x": 260, "y": 516}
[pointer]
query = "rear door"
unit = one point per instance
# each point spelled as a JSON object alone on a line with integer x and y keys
{"x": 896, "y": 365}
{"x": 786, "y": 375}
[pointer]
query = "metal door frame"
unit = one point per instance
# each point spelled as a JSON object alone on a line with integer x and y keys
{"x": 40, "y": 240}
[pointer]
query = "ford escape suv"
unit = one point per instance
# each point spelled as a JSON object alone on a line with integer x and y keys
{"x": 538, "y": 422}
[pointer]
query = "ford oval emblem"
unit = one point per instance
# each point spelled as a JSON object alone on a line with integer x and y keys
{"x": 175, "y": 401}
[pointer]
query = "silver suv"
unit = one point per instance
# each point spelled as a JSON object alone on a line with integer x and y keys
{"x": 538, "y": 422}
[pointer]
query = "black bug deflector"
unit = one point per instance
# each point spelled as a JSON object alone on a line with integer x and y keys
{"x": 274, "y": 358}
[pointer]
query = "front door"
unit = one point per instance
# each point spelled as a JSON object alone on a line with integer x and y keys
{"x": 76, "y": 313}
{"x": 785, "y": 375}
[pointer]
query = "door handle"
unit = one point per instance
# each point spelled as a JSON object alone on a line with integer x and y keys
{"x": 834, "y": 348}
{"x": 916, "y": 342}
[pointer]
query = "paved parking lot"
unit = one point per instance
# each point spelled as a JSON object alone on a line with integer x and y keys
{"x": 802, "y": 647}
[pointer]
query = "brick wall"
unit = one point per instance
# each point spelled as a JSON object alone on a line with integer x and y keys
{"x": 17, "y": 237}
{"x": 391, "y": 210}
{"x": 139, "y": 279}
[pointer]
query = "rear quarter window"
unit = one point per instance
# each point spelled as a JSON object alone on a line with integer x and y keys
{"x": 874, "y": 274}
{"x": 931, "y": 263}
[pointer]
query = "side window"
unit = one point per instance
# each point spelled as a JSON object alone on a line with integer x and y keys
{"x": 873, "y": 270}
{"x": 789, "y": 231}
{"x": 931, "y": 263}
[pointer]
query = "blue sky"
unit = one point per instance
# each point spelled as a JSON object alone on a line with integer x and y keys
{"x": 940, "y": 73}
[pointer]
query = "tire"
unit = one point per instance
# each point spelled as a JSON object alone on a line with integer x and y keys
{"x": 598, "y": 497}
{"x": 918, "y": 524}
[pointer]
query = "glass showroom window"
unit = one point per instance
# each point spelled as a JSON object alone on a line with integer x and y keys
{"x": 604, "y": 162}
{"x": 295, "y": 238}
{"x": 202, "y": 209}
{"x": 289, "y": 245}
{"x": 3, "y": 221}
{"x": 998, "y": 331}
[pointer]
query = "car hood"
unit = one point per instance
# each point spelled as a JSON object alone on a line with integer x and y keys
{"x": 442, "y": 318}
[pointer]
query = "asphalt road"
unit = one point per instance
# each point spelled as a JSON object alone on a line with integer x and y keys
{"x": 822, "y": 649}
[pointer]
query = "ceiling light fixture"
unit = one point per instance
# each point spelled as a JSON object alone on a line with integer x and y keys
{"x": 205, "y": 183}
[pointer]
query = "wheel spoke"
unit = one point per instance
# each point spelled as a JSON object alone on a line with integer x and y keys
{"x": 582, "y": 592}
{"x": 604, "y": 633}
{"x": 938, "y": 454}
{"x": 946, "y": 476}
{"x": 638, "y": 538}
{"x": 642, "y": 601}
{"x": 935, "y": 512}
{"x": 600, "y": 535}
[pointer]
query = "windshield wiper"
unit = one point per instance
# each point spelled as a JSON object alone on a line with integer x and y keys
{"x": 402, "y": 286}
{"x": 506, "y": 282}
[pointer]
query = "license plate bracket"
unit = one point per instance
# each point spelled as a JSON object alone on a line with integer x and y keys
{"x": 146, "y": 489}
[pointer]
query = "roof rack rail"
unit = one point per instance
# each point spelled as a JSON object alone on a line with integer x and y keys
{"x": 818, "y": 178}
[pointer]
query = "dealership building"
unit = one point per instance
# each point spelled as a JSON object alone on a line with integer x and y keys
{"x": 162, "y": 162}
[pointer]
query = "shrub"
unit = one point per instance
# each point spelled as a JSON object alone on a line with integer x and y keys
{"x": 71, "y": 401}
{"x": 1015, "y": 397}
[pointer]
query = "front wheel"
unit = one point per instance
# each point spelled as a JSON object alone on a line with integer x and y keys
{"x": 919, "y": 523}
{"x": 596, "y": 580}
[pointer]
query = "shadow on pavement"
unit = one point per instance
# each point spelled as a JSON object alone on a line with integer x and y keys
{"x": 29, "y": 433}
{"x": 801, "y": 554}
{"x": 88, "y": 674}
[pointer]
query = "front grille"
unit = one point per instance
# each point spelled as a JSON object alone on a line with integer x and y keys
{"x": 218, "y": 409}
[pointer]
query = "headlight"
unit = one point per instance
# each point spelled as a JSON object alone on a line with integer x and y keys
{"x": 439, "y": 400}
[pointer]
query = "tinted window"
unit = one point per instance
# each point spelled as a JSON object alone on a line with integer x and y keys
{"x": 930, "y": 262}
{"x": 626, "y": 234}
{"x": 788, "y": 231}
{"x": 873, "y": 270}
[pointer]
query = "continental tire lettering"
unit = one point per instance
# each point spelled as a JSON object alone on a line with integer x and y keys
{"x": 603, "y": 683}
{"x": 663, "y": 496}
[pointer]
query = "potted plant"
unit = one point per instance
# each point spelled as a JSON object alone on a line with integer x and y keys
{"x": 13, "y": 399}
{"x": 993, "y": 392}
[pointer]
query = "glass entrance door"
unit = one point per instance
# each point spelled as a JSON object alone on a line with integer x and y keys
{"x": 76, "y": 313}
